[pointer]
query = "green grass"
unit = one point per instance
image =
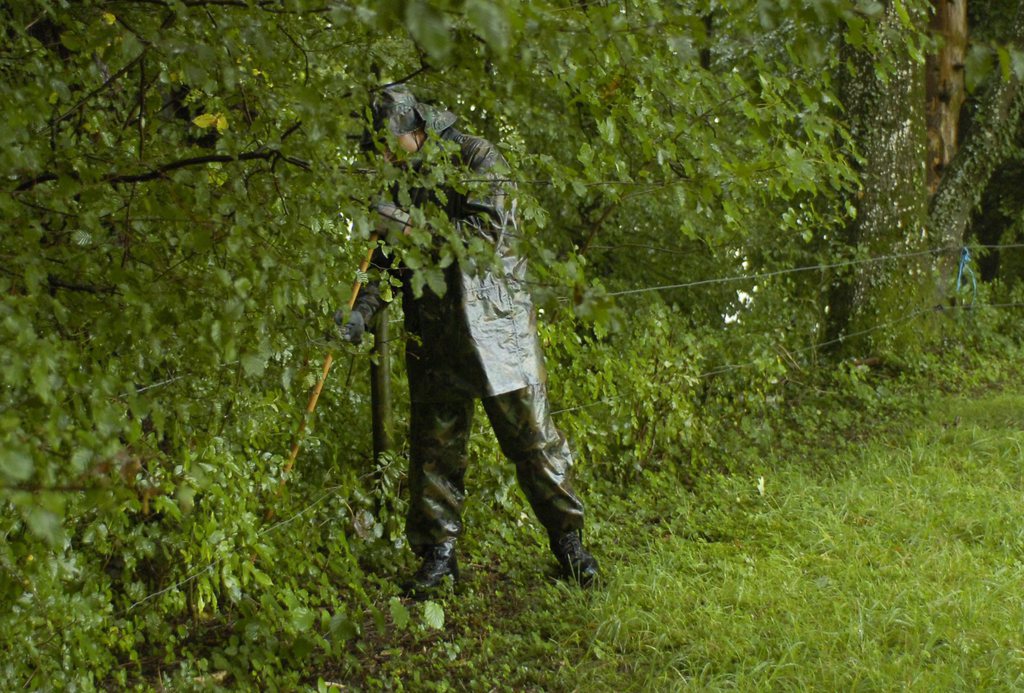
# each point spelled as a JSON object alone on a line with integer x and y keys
{"x": 895, "y": 566}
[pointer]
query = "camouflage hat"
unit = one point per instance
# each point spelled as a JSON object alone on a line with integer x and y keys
{"x": 397, "y": 108}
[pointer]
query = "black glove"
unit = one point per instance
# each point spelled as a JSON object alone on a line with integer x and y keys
{"x": 351, "y": 331}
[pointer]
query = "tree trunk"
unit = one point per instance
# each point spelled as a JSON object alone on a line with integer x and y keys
{"x": 988, "y": 144}
{"x": 887, "y": 120}
{"x": 944, "y": 85}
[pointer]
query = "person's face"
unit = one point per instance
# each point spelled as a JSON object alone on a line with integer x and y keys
{"x": 411, "y": 141}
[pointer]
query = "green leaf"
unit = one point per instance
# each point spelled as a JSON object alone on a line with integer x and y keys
{"x": 16, "y": 464}
{"x": 491, "y": 22}
{"x": 1005, "y": 62}
{"x": 871, "y": 8}
{"x": 45, "y": 524}
{"x": 399, "y": 614}
{"x": 206, "y": 120}
{"x": 586, "y": 154}
{"x": 1017, "y": 59}
{"x": 433, "y": 615}
{"x": 429, "y": 28}
{"x": 435, "y": 280}
{"x": 977, "y": 66}
{"x": 342, "y": 626}
{"x": 254, "y": 364}
{"x": 609, "y": 133}
{"x": 303, "y": 619}
{"x": 901, "y": 11}
{"x": 81, "y": 458}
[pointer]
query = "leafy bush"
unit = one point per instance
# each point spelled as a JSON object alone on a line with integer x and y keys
{"x": 185, "y": 201}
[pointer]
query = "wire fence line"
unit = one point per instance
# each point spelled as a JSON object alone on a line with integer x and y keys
{"x": 934, "y": 252}
{"x": 215, "y": 562}
{"x": 700, "y": 282}
{"x": 196, "y": 574}
{"x": 815, "y": 347}
{"x": 774, "y": 273}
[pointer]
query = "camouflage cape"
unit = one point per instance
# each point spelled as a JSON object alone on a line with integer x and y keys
{"x": 480, "y": 338}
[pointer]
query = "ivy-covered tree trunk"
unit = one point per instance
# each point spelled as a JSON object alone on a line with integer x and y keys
{"x": 886, "y": 120}
{"x": 988, "y": 144}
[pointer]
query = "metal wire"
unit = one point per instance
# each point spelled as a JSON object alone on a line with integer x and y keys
{"x": 210, "y": 566}
{"x": 814, "y": 347}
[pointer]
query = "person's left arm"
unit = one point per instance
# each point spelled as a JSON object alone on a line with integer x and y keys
{"x": 489, "y": 183}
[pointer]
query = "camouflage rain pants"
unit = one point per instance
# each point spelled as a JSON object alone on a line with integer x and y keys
{"x": 439, "y": 433}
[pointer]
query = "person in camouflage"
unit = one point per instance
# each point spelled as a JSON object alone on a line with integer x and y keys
{"x": 477, "y": 340}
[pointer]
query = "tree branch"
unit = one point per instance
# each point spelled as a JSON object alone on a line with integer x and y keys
{"x": 291, "y": 130}
{"x": 58, "y": 283}
{"x": 305, "y": 54}
{"x": 59, "y": 488}
{"x": 33, "y": 182}
{"x": 264, "y": 5}
{"x": 424, "y": 66}
{"x": 107, "y": 83}
{"x": 160, "y": 171}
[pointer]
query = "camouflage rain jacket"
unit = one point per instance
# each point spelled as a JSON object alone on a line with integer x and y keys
{"x": 480, "y": 338}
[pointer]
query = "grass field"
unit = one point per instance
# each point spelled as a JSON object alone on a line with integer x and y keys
{"x": 894, "y": 564}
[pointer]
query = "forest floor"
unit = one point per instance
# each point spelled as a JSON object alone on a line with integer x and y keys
{"x": 892, "y": 563}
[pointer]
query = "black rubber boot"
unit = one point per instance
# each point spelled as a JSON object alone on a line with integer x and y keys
{"x": 574, "y": 560}
{"x": 438, "y": 563}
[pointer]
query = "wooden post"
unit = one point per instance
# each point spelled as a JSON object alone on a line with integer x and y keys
{"x": 380, "y": 387}
{"x": 328, "y": 361}
{"x": 380, "y": 406}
